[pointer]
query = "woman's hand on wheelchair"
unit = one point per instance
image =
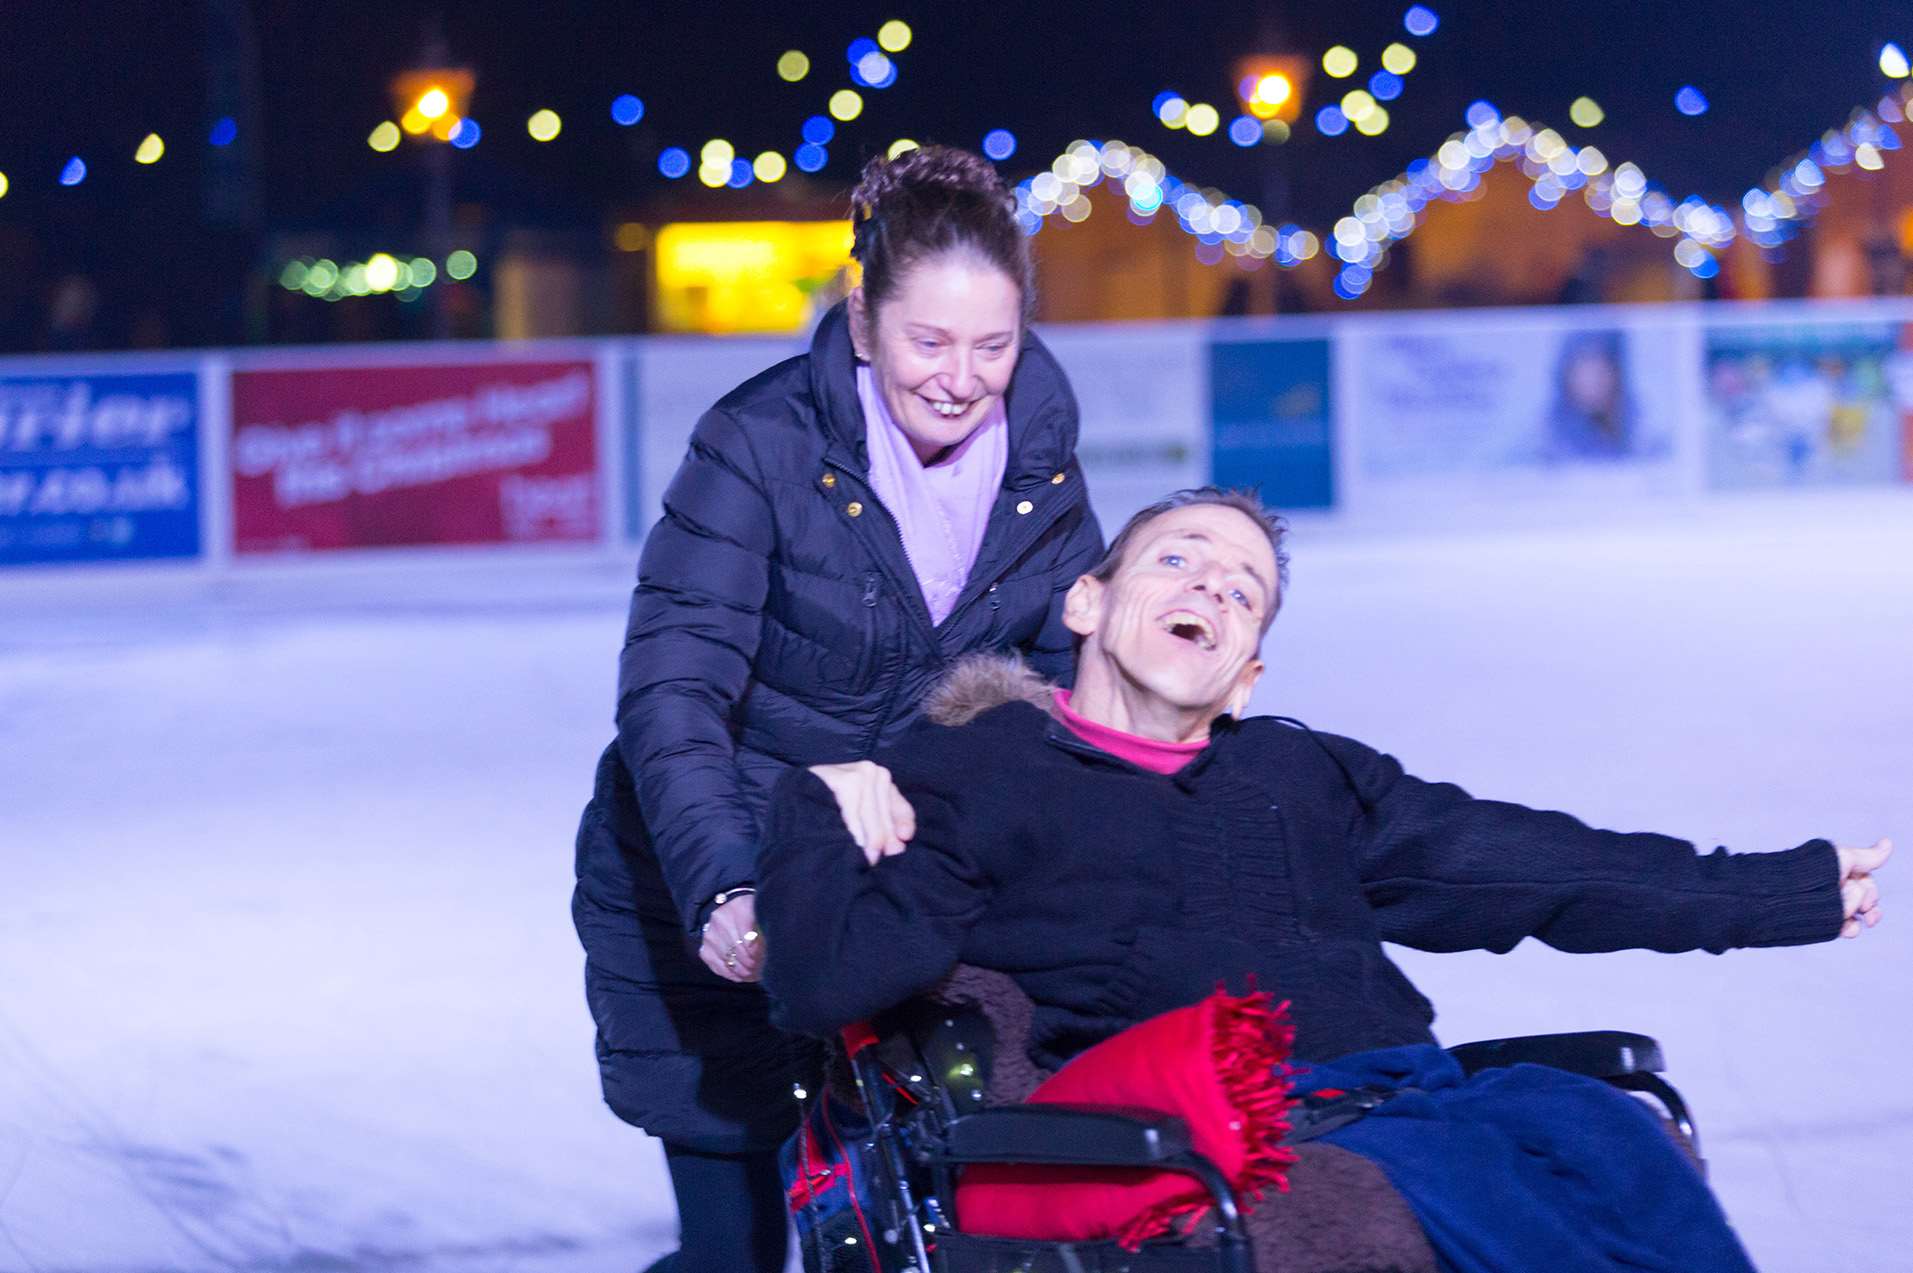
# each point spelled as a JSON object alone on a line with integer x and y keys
{"x": 732, "y": 947}
{"x": 879, "y": 819}
{"x": 1859, "y": 895}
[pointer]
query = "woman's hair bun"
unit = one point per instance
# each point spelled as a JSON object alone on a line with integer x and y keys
{"x": 926, "y": 170}
{"x": 931, "y": 200}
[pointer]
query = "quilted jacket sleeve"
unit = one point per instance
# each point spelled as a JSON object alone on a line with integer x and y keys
{"x": 688, "y": 650}
{"x": 1053, "y": 652}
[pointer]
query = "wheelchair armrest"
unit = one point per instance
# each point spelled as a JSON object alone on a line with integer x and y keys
{"x": 1066, "y": 1135}
{"x": 1601, "y": 1054}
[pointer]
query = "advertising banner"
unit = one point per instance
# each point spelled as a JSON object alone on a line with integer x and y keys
{"x": 378, "y": 456}
{"x": 1271, "y": 412}
{"x": 98, "y": 468}
{"x": 1544, "y": 406}
{"x": 1140, "y": 392}
{"x": 673, "y": 382}
{"x": 1808, "y": 404}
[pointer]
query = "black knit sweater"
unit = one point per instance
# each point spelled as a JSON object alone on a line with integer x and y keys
{"x": 1111, "y": 894}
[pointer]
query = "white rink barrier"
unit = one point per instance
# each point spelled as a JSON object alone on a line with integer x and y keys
{"x": 221, "y": 459}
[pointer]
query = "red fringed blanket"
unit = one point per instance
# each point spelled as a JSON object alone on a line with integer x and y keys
{"x": 1219, "y": 1065}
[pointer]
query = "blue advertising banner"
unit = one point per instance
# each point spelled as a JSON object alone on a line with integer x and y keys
{"x": 1270, "y": 409}
{"x": 98, "y": 468}
{"x": 1807, "y": 403}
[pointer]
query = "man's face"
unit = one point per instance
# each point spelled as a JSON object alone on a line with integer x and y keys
{"x": 1183, "y": 616}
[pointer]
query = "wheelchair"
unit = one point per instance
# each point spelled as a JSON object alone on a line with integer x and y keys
{"x": 940, "y": 1080}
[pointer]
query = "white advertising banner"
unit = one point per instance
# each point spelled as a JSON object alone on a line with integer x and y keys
{"x": 1143, "y": 395}
{"x": 1563, "y": 404}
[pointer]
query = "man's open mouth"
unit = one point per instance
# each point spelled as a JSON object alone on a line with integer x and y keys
{"x": 1189, "y": 627}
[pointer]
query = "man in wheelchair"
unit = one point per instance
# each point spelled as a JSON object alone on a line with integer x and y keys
{"x": 1121, "y": 848}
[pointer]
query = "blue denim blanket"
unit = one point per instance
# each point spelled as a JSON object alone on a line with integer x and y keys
{"x": 1530, "y": 1168}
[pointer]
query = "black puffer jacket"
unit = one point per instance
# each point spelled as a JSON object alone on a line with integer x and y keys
{"x": 777, "y": 622}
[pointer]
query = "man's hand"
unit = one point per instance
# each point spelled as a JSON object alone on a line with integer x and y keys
{"x": 1859, "y": 895}
{"x": 880, "y": 820}
{"x": 732, "y": 946}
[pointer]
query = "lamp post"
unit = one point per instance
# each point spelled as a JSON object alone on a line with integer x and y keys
{"x": 1271, "y": 87}
{"x": 430, "y": 101}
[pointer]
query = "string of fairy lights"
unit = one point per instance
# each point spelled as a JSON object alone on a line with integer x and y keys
{"x": 1269, "y": 98}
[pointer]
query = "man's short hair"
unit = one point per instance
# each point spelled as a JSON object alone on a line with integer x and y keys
{"x": 1245, "y": 502}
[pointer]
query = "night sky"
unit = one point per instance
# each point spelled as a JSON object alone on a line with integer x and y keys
{"x": 92, "y": 78}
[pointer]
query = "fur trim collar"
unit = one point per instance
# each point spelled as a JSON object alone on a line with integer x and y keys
{"x": 978, "y": 682}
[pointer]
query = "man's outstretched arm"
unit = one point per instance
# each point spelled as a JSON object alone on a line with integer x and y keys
{"x": 1444, "y": 870}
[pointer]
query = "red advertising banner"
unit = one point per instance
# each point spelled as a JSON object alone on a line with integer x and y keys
{"x": 375, "y": 456}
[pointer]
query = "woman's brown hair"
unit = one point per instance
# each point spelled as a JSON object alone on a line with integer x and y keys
{"x": 929, "y": 201}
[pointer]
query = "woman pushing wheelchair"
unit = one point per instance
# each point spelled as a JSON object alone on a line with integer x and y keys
{"x": 1122, "y": 848}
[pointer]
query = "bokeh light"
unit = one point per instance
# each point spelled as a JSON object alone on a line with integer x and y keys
{"x": 717, "y": 153}
{"x": 999, "y": 144}
{"x": 1276, "y": 131}
{"x": 626, "y": 109}
{"x": 713, "y": 176}
{"x": 382, "y": 272}
{"x": 846, "y": 104}
{"x": 1398, "y": 59}
{"x": 424, "y": 273}
{"x": 793, "y": 65}
{"x": 860, "y": 48}
{"x": 413, "y": 122}
{"x": 1330, "y": 122}
{"x": 150, "y": 149}
{"x": 461, "y": 265}
{"x": 874, "y": 70}
{"x": 544, "y": 125}
{"x": 1267, "y": 95}
{"x": 769, "y": 166}
{"x": 1482, "y": 114}
{"x": 674, "y": 161}
{"x": 384, "y": 138}
{"x": 433, "y": 103}
{"x": 811, "y": 157}
{"x": 1690, "y": 101}
{"x": 1586, "y": 112}
{"x": 1203, "y": 119}
{"x": 224, "y": 131}
{"x": 818, "y": 130}
{"x": 1893, "y": 62}
{"x": 741, "y": 174}
{"x": 293, "y": 276}
{"x": 1172, "y": 110}
{"x": 74, "y": 172}
{"x": 1386, "y": 86}
{"x": 1340, "y": 61}
{"x": 1420, "y": 20}
{"x": 1374, "y": 122}
{"x": 465, "y": 134}
{"x": 894, "y": 36}
{"x": 5, "y": 185}
{"x": 1245, "y": 130}
{"x": 1357, "y": 104}
{"x": 901, "y": 146}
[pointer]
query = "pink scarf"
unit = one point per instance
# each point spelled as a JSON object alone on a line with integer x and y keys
{"x": 1152, "y": 754}
{"x": 941, "y": 511}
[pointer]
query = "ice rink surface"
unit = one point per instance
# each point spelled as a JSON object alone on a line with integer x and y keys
{"x": 288, "y": 982}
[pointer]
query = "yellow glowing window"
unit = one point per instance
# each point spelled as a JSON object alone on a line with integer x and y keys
{"x": 745, "y": 276}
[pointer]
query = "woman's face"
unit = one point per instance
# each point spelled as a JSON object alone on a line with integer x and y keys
{"x": 942, "y": 347}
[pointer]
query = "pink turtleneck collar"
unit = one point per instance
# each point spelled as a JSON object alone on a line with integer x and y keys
{"x": 1145, "y": 753}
